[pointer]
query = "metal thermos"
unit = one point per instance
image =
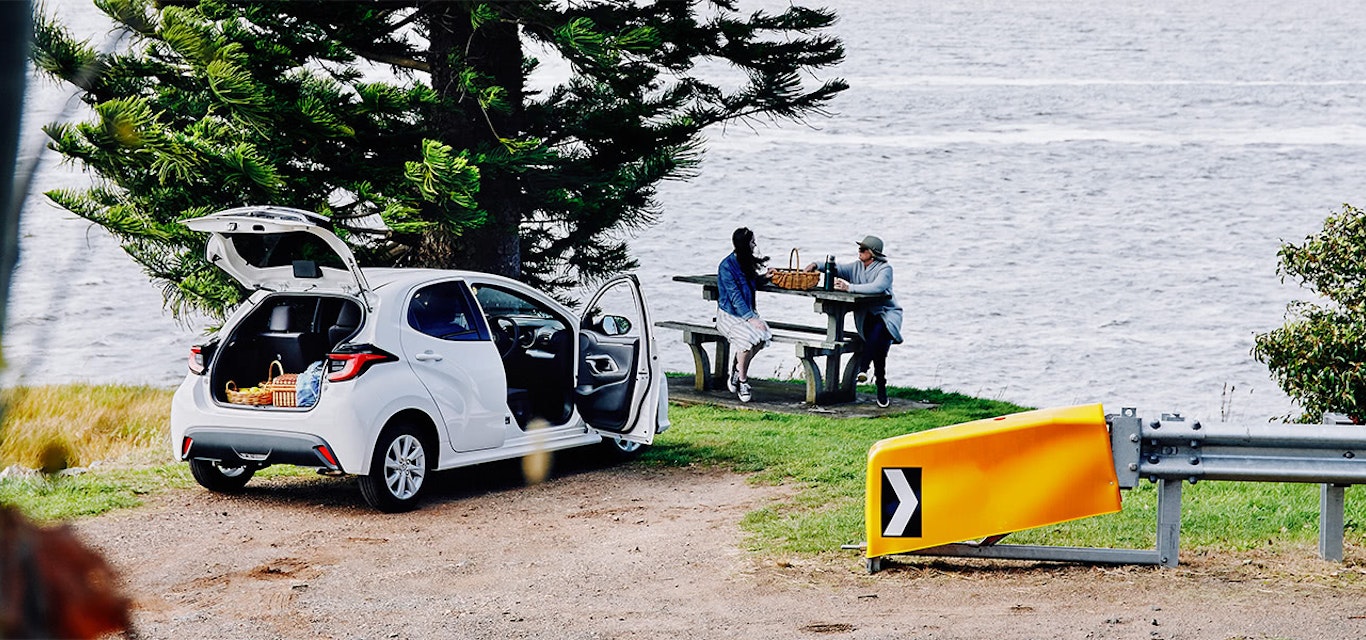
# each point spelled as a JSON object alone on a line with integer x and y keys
{"x": 830, "y": 273}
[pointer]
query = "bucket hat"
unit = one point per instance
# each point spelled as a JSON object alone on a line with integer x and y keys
{"x": 874, "y": 244}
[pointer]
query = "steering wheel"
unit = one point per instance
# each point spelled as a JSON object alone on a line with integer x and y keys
{"x": 505, "y": 335}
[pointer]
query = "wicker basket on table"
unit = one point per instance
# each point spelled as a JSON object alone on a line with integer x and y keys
{"x": 793, "y": 277}
{"x": 253, "y": 396}
{"x": 281, "y": 386}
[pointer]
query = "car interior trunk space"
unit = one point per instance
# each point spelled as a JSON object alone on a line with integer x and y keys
{"x": 294, "y": 330}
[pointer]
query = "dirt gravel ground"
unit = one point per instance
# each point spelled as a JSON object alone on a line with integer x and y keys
{"x": 602, "y": 551}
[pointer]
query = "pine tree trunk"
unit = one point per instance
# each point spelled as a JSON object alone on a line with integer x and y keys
{"x": 495, "y": 51}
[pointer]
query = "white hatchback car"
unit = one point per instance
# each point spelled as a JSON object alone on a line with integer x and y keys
{"x": 422, "y": 369}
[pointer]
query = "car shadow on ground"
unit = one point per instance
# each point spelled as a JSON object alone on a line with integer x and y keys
{"x": 507, "y": 475}
{"x": 444, "y": 487}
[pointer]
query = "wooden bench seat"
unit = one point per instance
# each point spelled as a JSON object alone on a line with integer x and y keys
{"x": 810, "y": 343}
{"x": 782, "y": 332}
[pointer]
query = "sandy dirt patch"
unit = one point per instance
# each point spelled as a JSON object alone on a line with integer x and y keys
{"x": 636, "y": 552}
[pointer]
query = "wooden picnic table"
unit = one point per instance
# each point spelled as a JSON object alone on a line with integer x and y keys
{"x": 820, "y": 350}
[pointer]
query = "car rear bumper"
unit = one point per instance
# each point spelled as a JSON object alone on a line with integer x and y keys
{"x": 258, "y": 448}
{"x": 286, "y": 436}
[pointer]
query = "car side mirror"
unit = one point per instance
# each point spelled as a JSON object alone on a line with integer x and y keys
{"x": 614, "y": 325}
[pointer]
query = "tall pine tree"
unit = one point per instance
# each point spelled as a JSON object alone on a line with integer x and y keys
{"x": 410, "y": 122}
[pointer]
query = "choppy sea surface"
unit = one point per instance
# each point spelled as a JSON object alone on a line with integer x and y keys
{"x": 1082, "y": 202}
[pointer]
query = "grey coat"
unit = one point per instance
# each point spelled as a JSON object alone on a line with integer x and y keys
{"x": 874, "y": 278}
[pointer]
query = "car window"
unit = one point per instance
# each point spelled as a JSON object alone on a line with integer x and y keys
{"x": 443, "y": 310}
{"x": 281, "y": 249}
{"x": 619, "y": 304}
{"x": 501, "y": 302}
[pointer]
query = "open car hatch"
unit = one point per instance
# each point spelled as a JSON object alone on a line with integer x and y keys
{"x": 280, "y": 249}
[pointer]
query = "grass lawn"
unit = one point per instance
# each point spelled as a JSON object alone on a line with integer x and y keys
{"x": 827, "y": 458}
{"x": 76, "y": 425}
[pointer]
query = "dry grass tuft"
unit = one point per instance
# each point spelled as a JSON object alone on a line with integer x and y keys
{"x": 53, "y": 427}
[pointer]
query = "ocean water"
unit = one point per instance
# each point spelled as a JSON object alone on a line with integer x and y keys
{"x": 1082, "y": 202}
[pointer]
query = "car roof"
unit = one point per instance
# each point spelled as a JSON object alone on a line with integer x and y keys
{"x": 381, "y": 278}
{"x": 407, "y": 274}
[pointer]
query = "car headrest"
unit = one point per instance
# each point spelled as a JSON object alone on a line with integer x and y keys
{"x": 279, "y": 318}
{"x": 349, "y": 316}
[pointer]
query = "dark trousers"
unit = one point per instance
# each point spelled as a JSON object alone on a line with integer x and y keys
{"x": 875, "y": 346}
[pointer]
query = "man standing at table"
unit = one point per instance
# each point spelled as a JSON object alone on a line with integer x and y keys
{"x": 878, "y": 323}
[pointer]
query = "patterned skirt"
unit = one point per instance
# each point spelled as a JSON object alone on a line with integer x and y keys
{"x": 742, "y": 335}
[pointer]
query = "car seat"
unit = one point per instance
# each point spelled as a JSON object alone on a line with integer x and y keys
{"x": 282, "y": 344}
{"x": 348, "y": 320}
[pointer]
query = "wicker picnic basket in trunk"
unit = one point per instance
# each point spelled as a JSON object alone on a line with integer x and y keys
{"x": 253, "y": 396}
{"x": 281, "y": 387}
{"x": 793, "y": 277}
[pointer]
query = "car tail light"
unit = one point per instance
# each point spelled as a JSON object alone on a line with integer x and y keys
{"x": 185, "y": 448}
{"x": 200, "y": 355}
{"x": 349, "y": 361}
{"x": 197, "y": 360}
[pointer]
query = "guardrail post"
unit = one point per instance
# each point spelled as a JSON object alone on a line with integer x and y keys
{"x": 1331, "y": 500}
{"x": 1168, "y": 521}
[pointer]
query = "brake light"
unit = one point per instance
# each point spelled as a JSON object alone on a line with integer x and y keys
{"x": 350, "y": 361}
{"x": 327, "y": 455}
{"x": 200, "y": 355}
{"x": 197, "y": 365}
{"x": 185, "y": 449}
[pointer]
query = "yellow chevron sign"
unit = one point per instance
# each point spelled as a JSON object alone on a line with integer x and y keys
{"x": 988, "y": 477}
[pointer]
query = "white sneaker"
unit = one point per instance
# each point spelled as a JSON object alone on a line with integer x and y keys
{"x": 863, "y": 377}
{"x": 744, "y": 392}
{"x": 733, "y": 380}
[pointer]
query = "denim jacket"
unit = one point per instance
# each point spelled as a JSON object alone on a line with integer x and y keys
{"x": 735, "y": 289}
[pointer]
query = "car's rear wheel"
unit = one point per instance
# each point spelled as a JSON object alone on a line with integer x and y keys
{"x": 398, "y": 470}
{"x": 215, "y": 477}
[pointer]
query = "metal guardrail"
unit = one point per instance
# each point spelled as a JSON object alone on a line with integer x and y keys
{"x": 1170, "y": 450}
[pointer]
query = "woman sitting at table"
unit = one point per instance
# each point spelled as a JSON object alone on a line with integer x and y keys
{"x": 736, "y": 316}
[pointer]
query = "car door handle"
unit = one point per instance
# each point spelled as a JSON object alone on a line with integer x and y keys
{"x": 602, "y": 364}
{"x": 427, "y": 355}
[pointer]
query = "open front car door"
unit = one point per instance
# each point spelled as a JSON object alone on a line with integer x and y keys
{"x": 619, "y": 377}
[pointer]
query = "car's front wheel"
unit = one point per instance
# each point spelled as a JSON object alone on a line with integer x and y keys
{"x": 621, "y": 449}
{"x": 215, "y": 477}
{"x": 398, "y": 470}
